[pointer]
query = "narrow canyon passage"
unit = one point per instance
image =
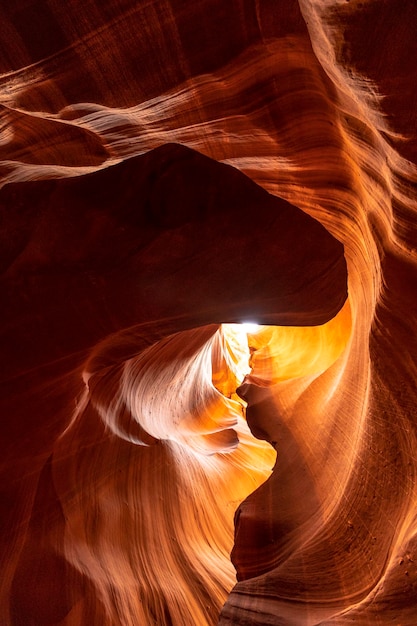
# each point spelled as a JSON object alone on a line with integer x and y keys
{"x": 169, "y": 172}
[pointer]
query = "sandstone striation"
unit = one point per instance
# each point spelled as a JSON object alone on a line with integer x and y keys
{"x": 168, "y": 171}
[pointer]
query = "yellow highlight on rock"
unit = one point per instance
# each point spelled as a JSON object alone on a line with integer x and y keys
{"x": 280, "y": 353}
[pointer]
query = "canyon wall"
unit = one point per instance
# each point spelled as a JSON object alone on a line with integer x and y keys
{"x": 169, "y": 171}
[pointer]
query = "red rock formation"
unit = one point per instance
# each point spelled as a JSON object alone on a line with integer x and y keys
{"x": 129, "y": 234}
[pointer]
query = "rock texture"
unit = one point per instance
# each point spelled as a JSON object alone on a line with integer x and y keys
{"x": 169, "y": 170}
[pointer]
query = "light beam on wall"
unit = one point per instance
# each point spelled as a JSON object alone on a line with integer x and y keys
{"x": 250, "y": 327}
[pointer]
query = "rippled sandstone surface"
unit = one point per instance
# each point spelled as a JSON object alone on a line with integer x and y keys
{"x": 169, "y": 170}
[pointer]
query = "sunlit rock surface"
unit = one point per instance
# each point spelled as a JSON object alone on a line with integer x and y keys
{"x": 169, "y": 170}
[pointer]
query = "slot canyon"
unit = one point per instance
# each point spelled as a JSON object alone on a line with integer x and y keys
{"x": 209, "y": 313}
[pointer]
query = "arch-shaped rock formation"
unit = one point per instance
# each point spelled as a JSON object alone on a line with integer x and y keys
{"x": 168, "y": 170}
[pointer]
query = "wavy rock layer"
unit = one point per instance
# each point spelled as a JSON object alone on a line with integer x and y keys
{"x": 166, "y": 170}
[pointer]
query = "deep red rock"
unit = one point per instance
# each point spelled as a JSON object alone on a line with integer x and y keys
{"x": 167, "y": 168}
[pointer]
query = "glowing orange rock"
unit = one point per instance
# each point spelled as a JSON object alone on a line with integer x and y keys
{"x": 115, "y": 281}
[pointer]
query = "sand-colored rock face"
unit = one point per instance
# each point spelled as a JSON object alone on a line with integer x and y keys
{"x": 168, "y": 171}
